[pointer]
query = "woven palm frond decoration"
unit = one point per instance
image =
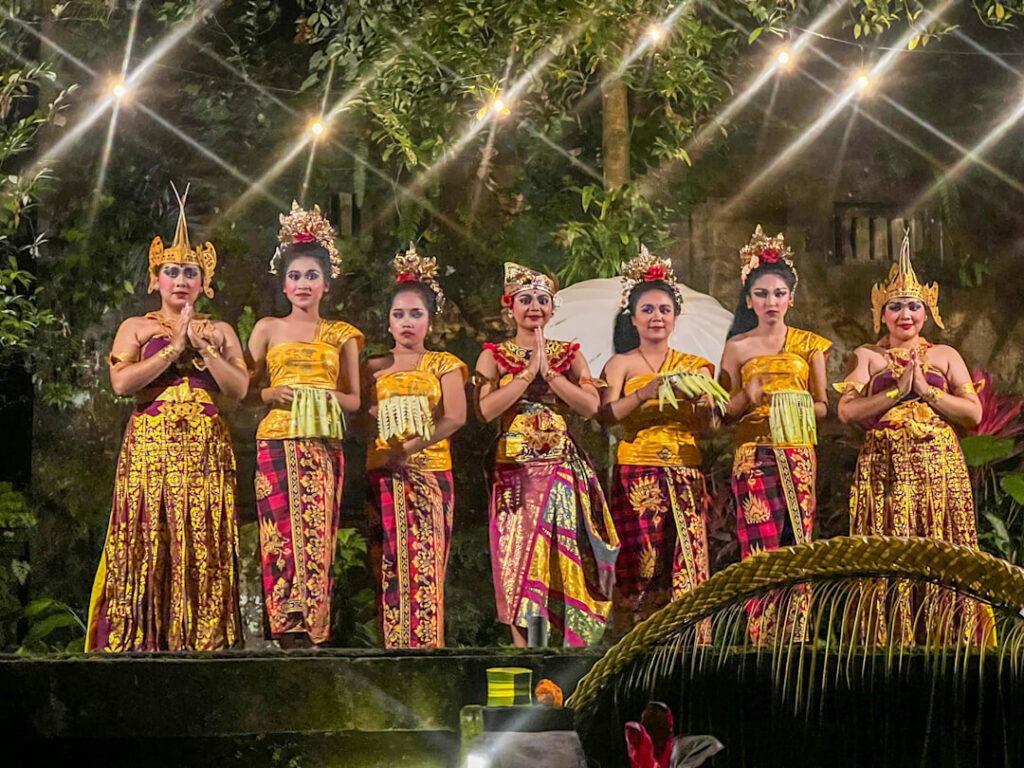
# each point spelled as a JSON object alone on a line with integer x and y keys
{"x": 837, "y": 608}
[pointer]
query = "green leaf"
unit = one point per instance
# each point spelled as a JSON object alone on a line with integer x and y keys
{"x": 1013, "y": 486}
{"x": 913, "y": 42}
{"x": 586, "y": 195}
{"x": 980, "y": 450}
{"x": 43, "y": 628}
{"x": 39, "y": 606}
{"x": 998, "y": 527}
{"x": 754, "y": 34}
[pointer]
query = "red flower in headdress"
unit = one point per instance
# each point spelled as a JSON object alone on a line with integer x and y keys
{"x": 304, "y": 237}
{"x": 655, "y": 272}
{"x": 506, "y": 300}
{"x": 405, "y": 277}
{"x": 770, "y": 256}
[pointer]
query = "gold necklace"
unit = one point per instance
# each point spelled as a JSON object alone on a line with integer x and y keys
{"x": 653, "y": 369}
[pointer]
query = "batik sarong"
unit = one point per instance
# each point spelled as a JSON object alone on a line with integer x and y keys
{"x": 911, "y": 480}
{"x": 659, "y": 517}
{"x": 167, "y": 579}
{"x": 298, "y": 500}
{"x": 411, "y": 525}
{"x": 553, "y": 546}
{"x": 776, "y": 504}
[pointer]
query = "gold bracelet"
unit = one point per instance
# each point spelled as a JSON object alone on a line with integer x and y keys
{"x": 524, "y": 375}
{"x": 935, "y": 394}
{"x": 893, "y": 394}
{"x": 169, "y": 353}
{"x": 550, "y": 373}
{"x": 209, "y": 351}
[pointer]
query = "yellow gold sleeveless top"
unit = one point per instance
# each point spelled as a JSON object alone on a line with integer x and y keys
{"x": 787, "y": 371}
{"x": 424, "y": 381}
{"x": 662, "y": 438}
{"x": 308, "y": 364}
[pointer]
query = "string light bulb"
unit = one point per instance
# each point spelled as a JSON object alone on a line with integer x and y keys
{"x": 498, "y": 105}
{"x": 316, "y": 128}
{"x": 655, "y": 33}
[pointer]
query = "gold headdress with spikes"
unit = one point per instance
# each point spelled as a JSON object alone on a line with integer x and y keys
{"x": 519, "y": 278}
{"x": 409, "y": 266}
{"x": 181, "y": 251}
{"x": 903, "y": 283}
{"x": 302, "y": 226}
{"x": 646, "y": 268}
{"x": 762, "y": 250}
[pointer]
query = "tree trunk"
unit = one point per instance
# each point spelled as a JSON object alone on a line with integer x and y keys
{"x": 615, "y": 132}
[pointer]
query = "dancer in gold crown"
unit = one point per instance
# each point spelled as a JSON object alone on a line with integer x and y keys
{"x": 658, "y": 499}
{"x": 418, "y": 399}
{"x": 553, "y": 544}
{"x": 313, "y": 370}
{"x": 911, "y": 479}
{"x": 167, "y": 578}
{"x": 776, "y": 375}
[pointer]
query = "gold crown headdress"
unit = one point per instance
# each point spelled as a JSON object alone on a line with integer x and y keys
{"x": 302, "y": 226}
{"x": 181, "y": 251}
{"x": 409, "y": 266}
{"x": 519, "y": 278}
{"x": 903, "y": 283}
{"x": 762, "y": 250}
{"x": 646, "y": 268}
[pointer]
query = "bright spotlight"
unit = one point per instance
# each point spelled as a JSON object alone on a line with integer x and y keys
{"x": 316, "y": 128}
{"x": 655, "y": 33}
{"x": 119, "y": 91}
{"x": 477, "y": 760}
{"x": 499, "y": 106}
{"x": 862, "y": 82}
{"x": 783, "y": 57}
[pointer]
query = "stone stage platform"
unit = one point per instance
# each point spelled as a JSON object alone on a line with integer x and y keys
{"x": 354, "y": 708}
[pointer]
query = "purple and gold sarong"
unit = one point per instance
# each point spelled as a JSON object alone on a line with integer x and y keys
{"x": 167, "y": 579}
{"x": 298, "y": 500}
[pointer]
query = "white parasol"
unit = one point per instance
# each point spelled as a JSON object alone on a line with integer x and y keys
{"x": 586, "y": 314}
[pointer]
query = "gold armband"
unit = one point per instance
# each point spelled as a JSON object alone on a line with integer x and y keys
{"x": 598, "y": 383}
{"x": 970, "y": 388}
{"x": 846, "y": 387}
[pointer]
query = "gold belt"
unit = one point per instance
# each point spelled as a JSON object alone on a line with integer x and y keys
{"x": 178, "y": 393}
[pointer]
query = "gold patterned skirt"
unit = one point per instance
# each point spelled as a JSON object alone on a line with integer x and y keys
{"x": 913, "y": 481}
{"x": 167, "y": 578}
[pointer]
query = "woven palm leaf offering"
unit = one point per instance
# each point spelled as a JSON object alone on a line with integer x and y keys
{"x": 690, "y": 386}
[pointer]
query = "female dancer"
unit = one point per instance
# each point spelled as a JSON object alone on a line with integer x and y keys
{"x": 911, "y": 478}
{"x": 657, "y": 494}
{"x": 419, "y": 401}
{"x": 313, "y": 367}
{"x": 167, "y": 579}
{"x": 553, "y": 544}
{"x": 777, "y": 378}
